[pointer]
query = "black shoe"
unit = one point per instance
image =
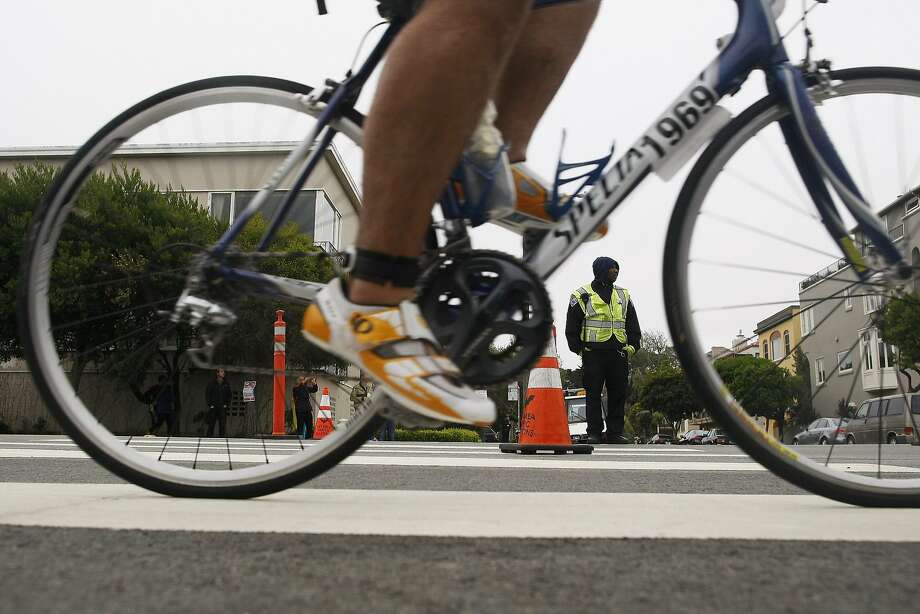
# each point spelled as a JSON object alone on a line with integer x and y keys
{"x": 595, "y": 440}
{"x": 617, "y": 439}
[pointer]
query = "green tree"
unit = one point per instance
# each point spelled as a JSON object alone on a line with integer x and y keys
{"x": 571, "y": 378}
{"x": 122, "y": 257}
{"x": 655, "y": 352}
{"x": 666, "y": 391}
{"x": 20, "y": 192}
{"x": 900, "y": 327}
{"x": 111, "y": 259}
{"x": 248, "y": 341}
{"x": 802, "y": 409}
{"x": 762, "y": 387}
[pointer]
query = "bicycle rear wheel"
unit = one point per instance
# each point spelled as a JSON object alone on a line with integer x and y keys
{"x": 746, "y": 250}
{"x": 108, "y": 254}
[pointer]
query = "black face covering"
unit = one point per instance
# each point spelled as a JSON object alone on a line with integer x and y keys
{"x": 601, "y": 266}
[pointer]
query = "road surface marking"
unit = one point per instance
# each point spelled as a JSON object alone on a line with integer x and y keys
{"x": 463, "y": 514}
{"x": 497, "y": 462}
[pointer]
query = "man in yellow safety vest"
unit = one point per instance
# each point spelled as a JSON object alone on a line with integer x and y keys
{"x": 602, "y": 327}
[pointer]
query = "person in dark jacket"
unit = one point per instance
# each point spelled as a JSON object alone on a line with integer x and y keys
{"x": 303, "y": 405}
{"x": 161, "y": 397}
{"x": 602, "y": 327}
{"x": 217, "y": 397}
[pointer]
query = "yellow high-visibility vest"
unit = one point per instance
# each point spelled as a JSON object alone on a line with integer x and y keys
{"x": 602, "y": 320}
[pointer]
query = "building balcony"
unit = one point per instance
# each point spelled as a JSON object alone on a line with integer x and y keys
{"x": 880, "y": 379}
{"x": 824, "y": 273}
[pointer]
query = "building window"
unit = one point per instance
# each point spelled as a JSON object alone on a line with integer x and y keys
{"x": 876, "y": 353}
{"x": 220, "y": 206}
{"x": 766, "y": 351}
{"x": 819, "y": 371}
{"x": 844, "y": 362}
{"x": 776, "y": 347}
{"x": 868, "y": 361}
{"x": 911, "y": 204}
{"x": 897, "y": 232}
{"x": 848, "y": 299}
{"x": 312, "y": 211}
{"x": 886, "y": 358}
{"x": 328, "y": 222}
{"x": 871, "y": 303}
{"x": 807, "y": 319}
{"x": 786, "y": 342}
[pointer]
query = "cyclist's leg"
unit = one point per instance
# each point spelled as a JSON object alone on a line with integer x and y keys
{"x": 439, "y": 74}
{"x": 551, "y": 41}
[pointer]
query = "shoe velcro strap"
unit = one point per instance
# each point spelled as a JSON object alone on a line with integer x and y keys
{"x": 384, "y": 269}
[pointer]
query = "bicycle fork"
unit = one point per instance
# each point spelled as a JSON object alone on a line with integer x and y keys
{"x": 819, "y": 164}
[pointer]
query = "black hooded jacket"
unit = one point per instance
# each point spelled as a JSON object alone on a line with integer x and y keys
{"x": 575, "y": 318}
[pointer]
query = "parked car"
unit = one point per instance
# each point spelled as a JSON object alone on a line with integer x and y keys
{"x": 716, "y": 436}
{"x": 822, "y": 431}
{"x": 886, "y": 419}
{"x": 694, "y": 437}
{"x": 663, "y": 438}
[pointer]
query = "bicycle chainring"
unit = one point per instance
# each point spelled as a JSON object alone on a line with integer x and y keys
{"x": 489, "y": 311}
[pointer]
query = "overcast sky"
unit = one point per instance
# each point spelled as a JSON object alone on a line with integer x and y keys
{"x": 71, "y": 66}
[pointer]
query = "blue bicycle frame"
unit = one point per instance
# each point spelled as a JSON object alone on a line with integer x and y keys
{"x": 674, "y": 136}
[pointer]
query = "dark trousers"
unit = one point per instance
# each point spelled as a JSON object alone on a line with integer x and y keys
{"x": 305, "y": 425}
{"x": 387, "y": 431}
{"x": 600, "y": 367}
{"x": 169, "y": 419}
{"x": 217, "y": 415}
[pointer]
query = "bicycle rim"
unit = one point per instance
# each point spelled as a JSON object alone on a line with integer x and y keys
{"x": 110, "y": 319}
{"x": 746, "y": 253}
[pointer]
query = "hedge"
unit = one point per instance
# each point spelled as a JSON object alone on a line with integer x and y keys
{"x": 450, "y": 434}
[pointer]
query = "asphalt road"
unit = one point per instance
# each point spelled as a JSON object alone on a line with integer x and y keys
{"x": 456, "y": 528}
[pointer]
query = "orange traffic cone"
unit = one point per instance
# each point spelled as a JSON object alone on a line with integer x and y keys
{"x": 544, "y": 423}
{"x": 323, "y": 416}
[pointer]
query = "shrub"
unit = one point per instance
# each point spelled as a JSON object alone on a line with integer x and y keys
{"x": 4, "y": 427}
{"x": 449, "y": 434}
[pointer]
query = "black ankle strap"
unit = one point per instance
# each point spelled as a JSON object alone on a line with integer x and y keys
{"x": 384, "y": 269}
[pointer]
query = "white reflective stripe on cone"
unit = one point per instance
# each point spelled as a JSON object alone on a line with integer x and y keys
{"x": 280, "y": 330}
{"x": 545, "y": 378}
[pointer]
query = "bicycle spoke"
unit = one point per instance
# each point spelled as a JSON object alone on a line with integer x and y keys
{"x": 162, "y": 451}
{"x": 197, "y": 448}
{"x": 773, "y": 195}
{"x": 790, "y": 177}
{"x": 733, "y": 265}
{"x": 758, "y": 231}
{"x": 114, "y": 313}
{"x": 858, "y": 369}
{"x": 857, "y": 138}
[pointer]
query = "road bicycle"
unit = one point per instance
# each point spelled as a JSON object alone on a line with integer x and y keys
{"x": 489, "y": 309}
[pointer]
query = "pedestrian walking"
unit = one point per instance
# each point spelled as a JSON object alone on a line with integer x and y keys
{"x": 161, "y": 397}
{"x": 303, "y": 405}
{"x": 603, "y": 328}
{"x": 217, "y": 397}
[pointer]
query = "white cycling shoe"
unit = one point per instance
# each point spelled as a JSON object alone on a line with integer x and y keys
{"x": 396, "y": 348}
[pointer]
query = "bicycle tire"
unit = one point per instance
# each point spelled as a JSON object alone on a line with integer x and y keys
{"x": 775, "y": 456}
{"x": 49, "y": 376}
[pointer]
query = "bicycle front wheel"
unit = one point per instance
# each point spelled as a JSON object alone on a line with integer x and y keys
{"x": 109, "y": 253}
{"x": 783, "y": 342}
